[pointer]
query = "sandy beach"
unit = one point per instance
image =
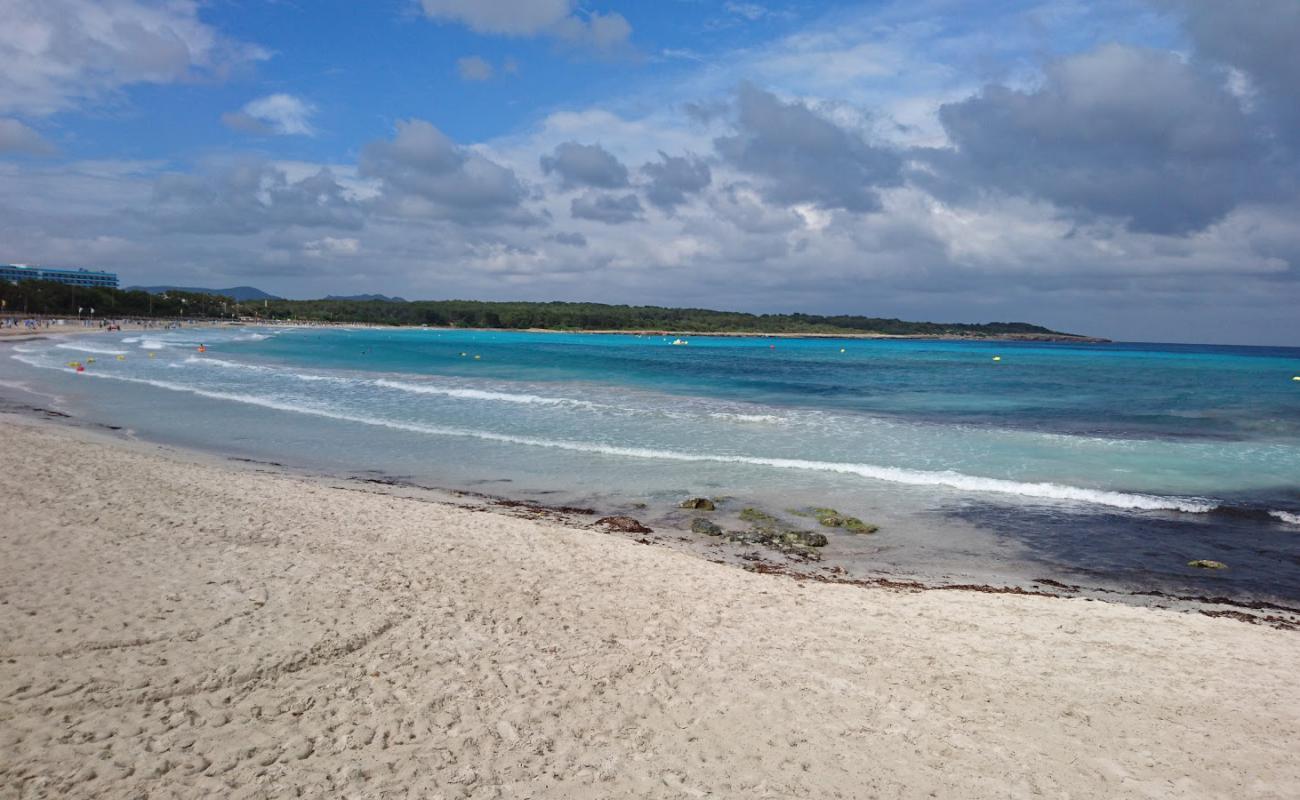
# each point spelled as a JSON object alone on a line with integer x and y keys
{"x": 72, "y": 327}
{"x": 174, "y": 627}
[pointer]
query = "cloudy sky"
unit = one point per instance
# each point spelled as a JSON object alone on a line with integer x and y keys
{"x": 1125, "y": 168}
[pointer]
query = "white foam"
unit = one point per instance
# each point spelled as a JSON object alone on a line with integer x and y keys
{"x": 251, "y": 337}
{"x": 945, "y": 478}
{"x": 90, "y": 348}
{"x": 481, "y": 394}
{"x": 152, "y": 344}
{"x": 1286, "y": 516}
{"x": 735, "y": 417}
{"x": 218, "y": 362}
{"x": 307, "y": 376}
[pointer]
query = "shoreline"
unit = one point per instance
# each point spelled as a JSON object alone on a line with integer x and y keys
{"x": 174, "y": 626}
{"x": 17, "y": 334}
{"x": 677, "y": 535}
{"x": 999, "y": 337}
{"x": 902, "y": 554}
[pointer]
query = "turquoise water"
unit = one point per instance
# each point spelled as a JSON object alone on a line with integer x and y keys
{"x": 1112, "y": 444}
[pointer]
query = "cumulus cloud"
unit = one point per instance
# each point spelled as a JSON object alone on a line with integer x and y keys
{"x": 606, "y": 33}
{"x": 424, "y": 174}
{"x": 585, "y": 165}
{"x": 607, "y": 208}
{"x": 1120, "y": 191}
{"x": 553, "y": 18}
{"x": 474, "y": 68}
{"x": 800, "y": 156}
{"x": 1123, "y": 132}
{"x": 332, "y": 245}
{"x": 672, "y": 178}
{"x": 570, "y": 239}
{"x": 15, "y": 137}
{"x": 1258, "y": 37}
{"x": 278, "y": 114}
{"x": 59, "y": 53}
{"x": 505, "y": 17}
{"x": 250, "y": 196}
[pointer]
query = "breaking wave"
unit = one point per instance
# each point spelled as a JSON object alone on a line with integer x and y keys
{"x": 911, "y": 477}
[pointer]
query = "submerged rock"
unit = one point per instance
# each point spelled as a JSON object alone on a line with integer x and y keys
{"x": 623, "y": 525}
{"x": 754, "y": 516}
{"x": 855, "y": 525}
{"x": 804, "y": 538}
{"x": 828, "y": 517}
{"x": 831, "y": 518}
{"x": 1205, "y": 563}
{"x": 704, "y": 526}
{"x": 699, "y": 504}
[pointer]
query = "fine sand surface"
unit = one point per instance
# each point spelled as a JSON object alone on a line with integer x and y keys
{"x": 72, "y": 327}
{"x": 175, "y": 628}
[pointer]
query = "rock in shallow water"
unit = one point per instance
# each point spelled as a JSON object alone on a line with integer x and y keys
{"x": 699, "y": 504}
{"x": 805, "y": 538}
{"x": 705, "y": 527}
{"x": 1205, "y": 563}
{"x": 623, "y": 525}
{"x": 831, "y": 518}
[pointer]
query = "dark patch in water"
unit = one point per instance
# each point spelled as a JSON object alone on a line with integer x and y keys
{"x": 1149, "y": 551}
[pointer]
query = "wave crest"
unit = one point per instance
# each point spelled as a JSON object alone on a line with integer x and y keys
{"x": 911, "y": 477}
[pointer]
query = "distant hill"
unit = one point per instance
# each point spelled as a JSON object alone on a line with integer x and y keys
{"x": 366, "y": 297}
{"x": 241, "y": 293}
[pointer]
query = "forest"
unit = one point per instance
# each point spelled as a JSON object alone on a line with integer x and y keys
{"x": 44, "y": 297}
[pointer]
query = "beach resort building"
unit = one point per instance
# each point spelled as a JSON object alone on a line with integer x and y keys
{"x": 14, "y": 273}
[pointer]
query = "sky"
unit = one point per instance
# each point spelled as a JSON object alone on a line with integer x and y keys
{"x": 1120, "y": 168}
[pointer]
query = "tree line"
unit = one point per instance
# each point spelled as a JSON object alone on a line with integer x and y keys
{"x": 51, "y": 298}
{"x": 45, "y": 297}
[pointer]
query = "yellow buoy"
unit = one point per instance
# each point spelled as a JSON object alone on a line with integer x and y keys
{"x": 476, "y": 358}
{"x": 151, "y": 355}
{"x": 1296, "y": 378}
{"x": 121, "y": 358}
{"x": 90, "y": 361}
{"x": 997, "y": 358}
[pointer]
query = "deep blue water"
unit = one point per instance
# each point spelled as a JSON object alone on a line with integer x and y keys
{"x": 1050, "y": 451}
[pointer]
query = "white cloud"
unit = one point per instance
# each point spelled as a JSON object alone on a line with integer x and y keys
{"x": 557, "y": 19}
{"x": 474, "y": 68}
{"x": 15, "y": 137}
{"x": 278, "y": 114}
{"x": 750, "y": 11}
{"x": 331, "y": 245}
{"x": 58, "y": 54}
{"x": 774, "y": 219}
{"x": 504, "y": 17}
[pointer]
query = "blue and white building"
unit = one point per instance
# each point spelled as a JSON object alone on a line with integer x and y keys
{"x": 13, "y": 273}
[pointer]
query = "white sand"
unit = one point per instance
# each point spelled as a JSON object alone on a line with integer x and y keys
{"x": 170, "y": 628}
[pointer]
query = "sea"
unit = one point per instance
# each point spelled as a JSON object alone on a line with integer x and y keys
{"x": 1102, "y": 465}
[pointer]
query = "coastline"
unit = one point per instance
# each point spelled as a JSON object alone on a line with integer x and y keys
{"x": 998, "y": 337}
{"x": 849, "y": 559}
{"x": 207, "y": 627}
{"x": 15, "y": 335}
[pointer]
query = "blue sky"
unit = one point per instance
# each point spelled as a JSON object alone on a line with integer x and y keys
{"x": 1121, "y": 167}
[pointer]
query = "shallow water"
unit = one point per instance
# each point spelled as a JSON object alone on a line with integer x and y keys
{"x": 1111, "y": 464}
